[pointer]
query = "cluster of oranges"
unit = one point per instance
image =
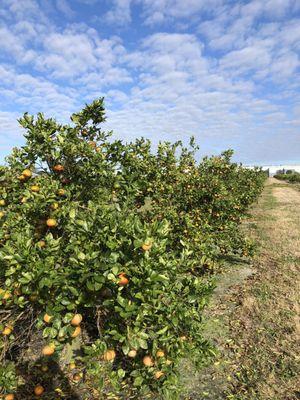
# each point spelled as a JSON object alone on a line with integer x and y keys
{"x": 75, "y": 322}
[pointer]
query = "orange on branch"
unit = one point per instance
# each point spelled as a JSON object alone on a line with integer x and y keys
{"x": 48, "y": 350}
{"x": 58, "y": 168}
{"x": 148, "y": 361}
{"x": 35, "y": 188}
{"x": 76, "y": 320}
{"x": 76, "y": 332}
{"x": 47, "y": 318}
{"x": 39, "y": 390}
{"x": 51, "y": 222}
{"x": 109, "y": 355}
{"x": 27, "y": 173}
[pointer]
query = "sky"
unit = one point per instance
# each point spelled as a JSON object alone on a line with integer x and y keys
{"x": 224, "y": 71}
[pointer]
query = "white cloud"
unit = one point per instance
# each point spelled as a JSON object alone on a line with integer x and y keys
{"x": 168, "y": 84}
{"x": 65, "y": 8}
{"x": 120, "y": 13}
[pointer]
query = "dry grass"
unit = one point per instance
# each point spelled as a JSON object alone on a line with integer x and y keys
{"x": 266, "y": 329}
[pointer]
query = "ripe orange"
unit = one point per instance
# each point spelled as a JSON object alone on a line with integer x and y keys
{"x": 48, "y": 350}
{"x": 47, "y": 318}
{"x": 58, "y": 168}
{"x": 160, "y": 354}
{"x": 76, "y": 377}
{"x": 109, "y": 355}
{"x": 35, "y": 188}
{"x": 51, "y": 222}
{"x": 10, "y": 396}
{"x": 54, "y": 206}
{"x": 93, "y": 144}
{"x": 42, "y": 243}
{"x": 2, "y": 202}
{"x": 61, "y": 192}
{"x": 123, "y": 281}
{"x": 148, "y": 361}
{"x": 39, "y": 390}
{"x": 6, "y": 295}
{"x": 132, "y": 353}
{"x": 72, "y": 366}
{"x": 158, "y": 374}
{"x": 76, "y": 332}
{"x": 22, "y": 178}
{"x": 7, "y": 331}
{"x": 27, "y": 173}
{"x": 76, "y": 320}
{"x": 146, "y": 246}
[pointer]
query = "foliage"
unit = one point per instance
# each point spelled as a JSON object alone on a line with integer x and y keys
{"x": 292, "y": 177}
{"x": 122, "y": 235}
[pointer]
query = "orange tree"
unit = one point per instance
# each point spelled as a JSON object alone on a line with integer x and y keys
{"x": 105, "y": 245}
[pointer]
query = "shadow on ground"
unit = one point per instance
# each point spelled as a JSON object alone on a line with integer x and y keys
{"x": 49, "y": 376}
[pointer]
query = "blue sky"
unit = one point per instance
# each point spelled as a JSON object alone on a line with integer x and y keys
{"x": 224, "y": 71}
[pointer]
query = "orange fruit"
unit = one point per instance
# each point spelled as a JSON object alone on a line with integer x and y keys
{"x": 9, "y": 396}
{"x": 76, "y": 320}
{"x": 51, "y": 222}
{"x": 42, "y": 243}
{"x": 61, "y": 192}
{"x": 39, "y": 390}
{"x": 109, "y": 355}
{"x": 6, "y": 295}
{"x": 58, "y": 168}
{"x": 54, "y": 206}
{"x": 35, "y": 188}
{"x": 123, "y": 281}
{"x": 22, "y": 178}
{"x": 132, "y": 353}
{"x": 148, "y": 361}
{"x": 76, "y": 332}
{"x": 2, "y": 203}
{"x": 47, "y": 318}
{"x": 72, "y": 366}
{"x": 146, "y": 246}
{"x": 7, "y": 331}
{"x": 27, "y": 173}
{"x": 76, "y": 377}
{"x": 48, "y": 350}
{"x": 158, "y": 374}
{"x": 183, "y": 338}
{"x": 93, "y": 144}
{"x": 160, "y": 354}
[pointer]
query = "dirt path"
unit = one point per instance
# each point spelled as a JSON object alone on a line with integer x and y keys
{"x": 255, "y": 318}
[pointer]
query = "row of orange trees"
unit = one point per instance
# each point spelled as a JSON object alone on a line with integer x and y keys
{"x": 111, "y": 245}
